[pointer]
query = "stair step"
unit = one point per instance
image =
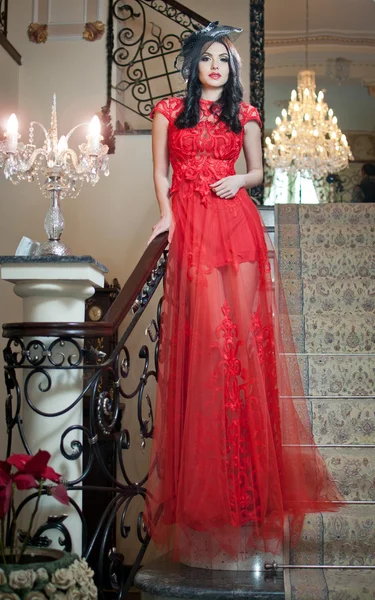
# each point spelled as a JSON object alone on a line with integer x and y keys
{"x": 323, "y": 214}
{"x": 320, "y": 264}
{"x": 353, "y": 470}
{"x": 344, "y": 375}
{"x": 334, "y": 237}
{"x": 360, "y": 262}
{"x": 344, "y": 421}
{"x": 337, "y": 332}
{"x": 327, "y": 375}
{"x": 346, "y": 537}
{"x": 355, "y": 295}
{"x": 331, "y": 214}
{"x": 330, "y": 584}
{"x": 333, "y": 332}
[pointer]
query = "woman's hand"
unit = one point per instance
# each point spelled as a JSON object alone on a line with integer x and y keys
{"x": 228, "y": 186}
{"x": 165, "y": 223}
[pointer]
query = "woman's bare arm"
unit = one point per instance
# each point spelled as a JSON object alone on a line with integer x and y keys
{"x": 161, "y": 173}
{"x": 252, "y": 146}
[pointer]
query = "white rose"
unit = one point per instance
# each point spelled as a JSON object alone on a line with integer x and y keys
{"x": 3, "y": 578}
{"x": 59, "y": 596}
{"x": 42, "y": 574}
{"x": 82, "y": 571}
{"x": 33, "y": 595}
{"x": 50, "y": 589}
{"x": 63, "y": 578}
{"x": 18, "y": 580}
{"x": 6, "y": 596}
{"x": 73, "y": 593}
{"x": 92, "y": 590}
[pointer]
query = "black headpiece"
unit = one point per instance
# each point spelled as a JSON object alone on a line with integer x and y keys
{"x": 194, "y": 42}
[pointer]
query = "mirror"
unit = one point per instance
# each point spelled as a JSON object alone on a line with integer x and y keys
{"x": 341, "y": 51}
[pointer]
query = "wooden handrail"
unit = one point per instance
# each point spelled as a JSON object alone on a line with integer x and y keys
{"x": 114, "y": 316}
{"x": 5, "y": 43}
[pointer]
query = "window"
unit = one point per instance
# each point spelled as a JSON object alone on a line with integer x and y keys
{"x": 290, "y": 188}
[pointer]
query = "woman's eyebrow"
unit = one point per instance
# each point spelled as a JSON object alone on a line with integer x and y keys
{"x": 209, "y": 54}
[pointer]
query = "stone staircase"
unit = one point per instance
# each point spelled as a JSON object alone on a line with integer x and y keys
{"x": 327, "y": 260}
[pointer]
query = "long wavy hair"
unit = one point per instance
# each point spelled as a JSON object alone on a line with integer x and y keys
{"x": 228, "y": 105}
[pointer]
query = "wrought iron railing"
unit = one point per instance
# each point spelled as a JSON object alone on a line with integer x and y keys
{"x": 4, "y": 17}
{"x": 4, "y": 42}
{"x": 144, "y": 53}
{"x": 42, "y": 350}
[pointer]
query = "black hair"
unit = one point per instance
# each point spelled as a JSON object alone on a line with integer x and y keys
{"x": 228, "y": 105}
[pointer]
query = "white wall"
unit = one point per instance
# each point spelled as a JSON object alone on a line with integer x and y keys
{"x": 9, "y": 70}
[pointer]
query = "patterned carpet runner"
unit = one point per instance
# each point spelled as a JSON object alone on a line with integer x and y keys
{"x": 326, "y": 256}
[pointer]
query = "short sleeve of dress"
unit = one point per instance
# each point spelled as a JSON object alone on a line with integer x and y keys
{"x": 249, "y": 113}
{"x": 163, "y": 106}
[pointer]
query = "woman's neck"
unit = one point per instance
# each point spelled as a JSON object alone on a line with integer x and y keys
{"x": 211, "y": 94}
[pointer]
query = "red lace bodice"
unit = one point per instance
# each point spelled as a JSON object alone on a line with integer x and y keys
{"x": 207, "y": 152}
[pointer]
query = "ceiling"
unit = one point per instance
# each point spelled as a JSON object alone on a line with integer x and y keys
{"x": 341, "y": 51}
{"x": 341, "y": 17}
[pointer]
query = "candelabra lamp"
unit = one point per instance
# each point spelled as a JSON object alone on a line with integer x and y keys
{"x": 59, "y": 171}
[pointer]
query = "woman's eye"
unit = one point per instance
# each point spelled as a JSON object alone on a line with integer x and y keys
{"x": 224, "y": 59}
{"x": 205, "y": 58}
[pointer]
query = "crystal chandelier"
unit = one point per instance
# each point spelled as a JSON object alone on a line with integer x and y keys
{"x": 307, "y": 137}
{"x": 58, "y": 170}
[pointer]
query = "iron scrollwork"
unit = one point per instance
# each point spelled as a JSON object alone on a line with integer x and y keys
{"x": 112, "y": 386}
{"x": 257, "y": 69}
{"x": 4, "y": 17}
{"x": 144, "y": 55}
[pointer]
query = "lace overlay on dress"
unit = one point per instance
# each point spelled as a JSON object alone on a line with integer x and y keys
{"x": 230, "y": 447}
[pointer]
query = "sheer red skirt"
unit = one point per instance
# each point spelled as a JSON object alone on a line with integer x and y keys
{"x": 231, "y": 445}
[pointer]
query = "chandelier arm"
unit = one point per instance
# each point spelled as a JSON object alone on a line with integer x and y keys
{"x": 73, "y": 157}
{"x": 74, "y": 128}
{"x": 29, "y": 164}
{"x": 41, "y": 126}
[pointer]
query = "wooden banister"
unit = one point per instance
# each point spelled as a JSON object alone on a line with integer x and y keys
{"x": 114, "y": 316}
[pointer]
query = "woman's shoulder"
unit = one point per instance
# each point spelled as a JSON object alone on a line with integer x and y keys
{"x": 169, "y": 107}
{"x": 249, "y": 113}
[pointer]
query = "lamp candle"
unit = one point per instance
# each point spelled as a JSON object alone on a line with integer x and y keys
{"x": 94, "y": 137}
{"x": 12, "y": 134}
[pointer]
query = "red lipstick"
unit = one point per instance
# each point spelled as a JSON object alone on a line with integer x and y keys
{"x": 215, "y": 75}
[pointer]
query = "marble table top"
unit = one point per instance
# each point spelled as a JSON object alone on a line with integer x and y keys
{"x": 53, "y": 259}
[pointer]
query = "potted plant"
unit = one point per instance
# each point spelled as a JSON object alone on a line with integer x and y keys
{"x": 26, "y": 572}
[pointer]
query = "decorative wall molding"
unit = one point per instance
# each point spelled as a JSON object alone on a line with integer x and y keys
{"x": 319, "y": 39}
{"x": 78, "y": 19}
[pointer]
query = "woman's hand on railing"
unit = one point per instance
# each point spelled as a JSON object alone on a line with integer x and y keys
{"x": 165, "y": 223}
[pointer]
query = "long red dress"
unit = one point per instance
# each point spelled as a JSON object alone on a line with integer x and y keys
{"x": 231, "y": 446}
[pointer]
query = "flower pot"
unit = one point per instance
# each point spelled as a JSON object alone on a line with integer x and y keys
{"x": 47, "y": 575}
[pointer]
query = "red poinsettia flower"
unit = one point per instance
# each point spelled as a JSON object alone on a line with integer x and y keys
{"x": 23, "y": 481}
{"x": 60, "y": 494}
{"x": 35, "y": 465}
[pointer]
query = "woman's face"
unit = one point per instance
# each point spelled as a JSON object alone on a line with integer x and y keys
{"x": 214, "y": 66}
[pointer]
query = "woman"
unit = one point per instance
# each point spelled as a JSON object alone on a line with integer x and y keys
{"x": 365, "y": 190}
{"x": 229, "y": 449}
